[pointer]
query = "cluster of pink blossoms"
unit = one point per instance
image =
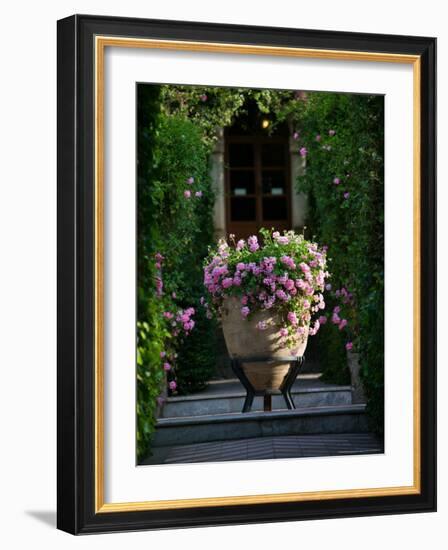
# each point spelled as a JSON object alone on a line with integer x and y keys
{"x": 346, "y": 298}
{"x": 180, "y": 322}
{"x": 284, "y": 273}
{"x": 187, "y": 192}
{"x": 167, "y": 364}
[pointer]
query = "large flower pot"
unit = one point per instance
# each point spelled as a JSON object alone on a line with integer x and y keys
{"x": 244, "y": 339}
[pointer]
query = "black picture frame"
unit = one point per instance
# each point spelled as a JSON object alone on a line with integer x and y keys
{"x": 76, "y": 256}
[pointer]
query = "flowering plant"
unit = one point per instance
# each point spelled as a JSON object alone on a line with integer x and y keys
{"x": 285, "y": 273}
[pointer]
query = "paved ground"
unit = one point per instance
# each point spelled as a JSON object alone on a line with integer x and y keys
{"x": 291, "y": 446}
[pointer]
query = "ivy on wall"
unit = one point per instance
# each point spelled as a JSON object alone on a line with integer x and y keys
{"x": 342, "y": 137}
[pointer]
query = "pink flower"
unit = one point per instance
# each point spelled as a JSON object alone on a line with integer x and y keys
{"x": 318, "y": 137}
{"x": 292, "y": 318}
{"x": 172, "y": 385}
{"x": 282, "y": 240}
{"x": 295, "y": 135}
{"x": 283, "y": 332}
{"x": 304, "y": 267}
{"x": 245, "y": 311}
{"x": 342, "y": 324}
{"x": 227, "y": 282}
{"x": 240, "y": 244}
{"x": 168, "y": 315}
{"x": 331, "y": 132}
{"x": 336, "y": 309}
{"x": 306, "y": 304}
{"x": 303, "y": 151}
{"x": 240, "y": 266}
{"x": 244, "y": 300}
{"x": 349, "y": 346}
{"x": 253, "y": 243}
{"x": 281, "y": 295}
{"x": 346, "y": 195}
{"x": 190, "y": 180}
{"x": 328, "y": 287}
{"x": 203, "y": 97}
{"x": 162, "y": 354}
{"x": 289, "y": 284}
{"x": 322, "y": 319}
{"x": 198, "y": 194}
{"x": 187, "y": 193}
{"x": 335, "y": 319}
{"x": 261, "y": 325}
{"x": 288, "y": 261}
{"x": 315, "y": 328}
{"x": 336, "y": 181}
{"x": 166, "y": 366}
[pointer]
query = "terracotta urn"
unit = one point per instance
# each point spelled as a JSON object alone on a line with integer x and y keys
{"x": 244, "y": 339}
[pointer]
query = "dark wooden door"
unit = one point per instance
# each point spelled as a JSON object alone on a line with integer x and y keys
{"x": 258, "y": 190}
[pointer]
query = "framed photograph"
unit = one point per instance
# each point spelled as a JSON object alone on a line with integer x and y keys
{"x": 246, "y": 274}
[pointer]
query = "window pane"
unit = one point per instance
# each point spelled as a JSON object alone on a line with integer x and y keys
{"x": 273, "y": 154}
{"x": 274, "y": 182}
{"x": 274, "y": 209}
{"x": 242, "y": 209}
{"x": 242, "y": 182}
{"x": 241, "y": 154}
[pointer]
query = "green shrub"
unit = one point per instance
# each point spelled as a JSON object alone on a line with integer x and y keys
{"x": 174, "y": 232}
{"x": 343, "y": 137}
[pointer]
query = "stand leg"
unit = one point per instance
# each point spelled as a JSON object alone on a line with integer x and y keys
{"x": 289, "y": 400}
{"x": 267, "y": 400}
{"x": 248, "y": 402}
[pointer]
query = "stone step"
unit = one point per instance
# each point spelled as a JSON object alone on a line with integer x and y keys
{"x": 223, "y": 397}
{"x": 224, "y": 427}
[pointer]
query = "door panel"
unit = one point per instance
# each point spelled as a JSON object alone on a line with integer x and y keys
{"x": 258, "y": 190}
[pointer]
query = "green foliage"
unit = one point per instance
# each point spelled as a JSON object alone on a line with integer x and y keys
{"x": 332, "y": 355}
{"x": 211, "y": 107}
{"x": 171, "y": 151}
{"x": 343, "y": 135}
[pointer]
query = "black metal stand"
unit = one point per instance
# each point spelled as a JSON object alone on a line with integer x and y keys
{"x": 285, "y": 388}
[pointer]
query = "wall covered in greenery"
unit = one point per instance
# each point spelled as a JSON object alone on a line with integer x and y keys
{"x": 341, "y": 136}
{"x": 175, "y": 227}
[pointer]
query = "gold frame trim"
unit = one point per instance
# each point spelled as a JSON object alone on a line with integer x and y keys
{"x": 101, "y": 42}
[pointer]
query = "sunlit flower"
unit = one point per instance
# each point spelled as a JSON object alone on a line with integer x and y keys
{"x": 245, "y": 311}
